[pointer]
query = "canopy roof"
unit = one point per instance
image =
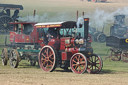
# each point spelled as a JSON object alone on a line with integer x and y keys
{"x": 11, "y": 6}
{"x": 22, "y": 23}
{"x": 67, "y": 24}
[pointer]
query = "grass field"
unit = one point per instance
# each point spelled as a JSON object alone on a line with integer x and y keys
{"x": 113, "y": 73}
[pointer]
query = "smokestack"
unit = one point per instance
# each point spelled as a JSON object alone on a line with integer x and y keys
{"x": 83, "y": 14}
{"x": 86, "y": 28}
{"x": 34, "y": 13}
{"x": 77, "y": 15}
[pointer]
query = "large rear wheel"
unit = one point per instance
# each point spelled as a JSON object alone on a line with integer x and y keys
{"x": 101, "y": 38}
{"x": 47, "y": 59}
{"x": 95, "y": 64}
{"x": 4, "y": 23}
{"x": 78, "y": 63}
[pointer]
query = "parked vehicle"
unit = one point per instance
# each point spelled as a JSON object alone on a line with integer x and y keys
{"x": 6, "y": 16}
{"x": 97, "y": 0}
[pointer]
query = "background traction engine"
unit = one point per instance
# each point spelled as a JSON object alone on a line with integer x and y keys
{"x": 69, "y": 49}
{"x": 118, "y": 39}
{"x": 8, "y": 13}
{"x": 23, "y": 44}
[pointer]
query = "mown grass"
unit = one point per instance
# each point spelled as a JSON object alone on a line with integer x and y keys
{"x": 109, "y": 66}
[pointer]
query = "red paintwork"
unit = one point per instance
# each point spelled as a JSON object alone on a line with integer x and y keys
{"x": 64, "y": 55}
{"x": 55, "y": 43}
{"x": 64, "y": 44}
{"x": 72, "y": 50}
{"x": 23, "y": 38}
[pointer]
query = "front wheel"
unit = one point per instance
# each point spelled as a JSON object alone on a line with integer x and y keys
{"x": 95, "y": 64}
{"x": 78, "y": 63}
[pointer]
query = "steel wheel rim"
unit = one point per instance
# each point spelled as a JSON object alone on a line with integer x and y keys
{"x": 4, "y": 56}
{"x": 115, "y": 56}
{"x": 78, "y": 63}
{"x": 95, "y": 64}
{"x": 124, "y": 57}
{"x": 4, "y": 20}
{"x": 101, "y": 38}
{"x": 14, "y": 59}
{"x": 47, "y": 59}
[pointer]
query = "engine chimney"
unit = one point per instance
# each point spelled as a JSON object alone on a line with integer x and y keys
{"x": 77, "y": 15}
{"x": 34, "y": 13}
{"x": 86, "y": 28}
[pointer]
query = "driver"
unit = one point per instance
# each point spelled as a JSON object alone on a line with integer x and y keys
{"x": 53, "y": 32}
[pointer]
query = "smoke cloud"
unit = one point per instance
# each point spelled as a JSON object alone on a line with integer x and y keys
{"x": 47, "y": 18}
{"x": 99, "y": 17}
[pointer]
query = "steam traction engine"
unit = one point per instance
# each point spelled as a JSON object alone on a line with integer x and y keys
{"x": 6, "y": 16}
{"x": 119, "y": 29}
{"x": 118, "y": 39}
{"x": 67, "y": 48}
{"x": 58, "y": 44}
{"x": 23, "y": 38}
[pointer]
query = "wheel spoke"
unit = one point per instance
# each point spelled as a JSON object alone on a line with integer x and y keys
{"x": 80, "y": 68}
{"x": 50, "y": 61}
{"x": 98, "y": 67}
{"x": 97, "y": 59}
{"x": 50, "y": 55}
{"x": 74, "y": 61}
{"x": 76, "y": 58}
{"x": 82, "y": 63}
{"x": 74, "y": 65}
{"x": 47, "y": 51}
{"x": 43, "y": 54}
{"x": 90, "y": 67}
{"x": 42, "y": 59}
{"x": 43, "y": 62}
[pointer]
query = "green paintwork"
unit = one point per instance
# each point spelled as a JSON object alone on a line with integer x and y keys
{"x": 28, "y": 50}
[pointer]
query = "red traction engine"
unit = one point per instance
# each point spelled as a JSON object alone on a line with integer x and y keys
{"x": 64, "y": 47}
